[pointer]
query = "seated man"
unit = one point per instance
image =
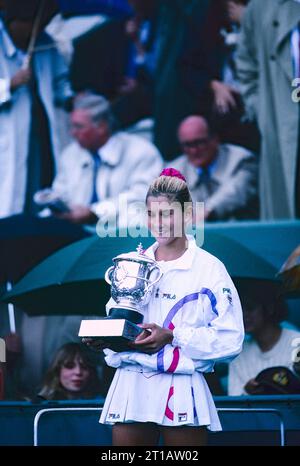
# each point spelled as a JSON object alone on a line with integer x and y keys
{"x": 102, "y": 170}
{"x": 223, "y": 176}
{"x": 269, "y": 345}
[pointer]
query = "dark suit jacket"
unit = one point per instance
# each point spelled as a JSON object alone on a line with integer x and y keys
{"x": 231, "y": 191}
{"x": 203, "y": 52}
{"x": 100, "y": 58}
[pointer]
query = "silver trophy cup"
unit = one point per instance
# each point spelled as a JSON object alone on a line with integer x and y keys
{"x": 132, "y": 278}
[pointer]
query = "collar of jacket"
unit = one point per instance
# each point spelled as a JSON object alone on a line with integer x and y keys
{"x": 185, "y": 261}
{"x": 111, "y": 152}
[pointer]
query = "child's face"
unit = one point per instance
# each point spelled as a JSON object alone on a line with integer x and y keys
{"x": 165, "y": 219}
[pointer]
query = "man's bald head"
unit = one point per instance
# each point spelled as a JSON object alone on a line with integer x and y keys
{"x": 193, "y": 123}
{"x": 197, "y": 141}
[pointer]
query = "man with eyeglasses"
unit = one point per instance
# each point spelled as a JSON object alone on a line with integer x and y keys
{"x": 103, "y": 172}
{"x": 223, "y": 176}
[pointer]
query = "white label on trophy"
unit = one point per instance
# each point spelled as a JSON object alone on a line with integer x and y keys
{"x": 109, "y": 328}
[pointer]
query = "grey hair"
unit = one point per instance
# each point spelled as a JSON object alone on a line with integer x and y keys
{"x": 97, "y": 106}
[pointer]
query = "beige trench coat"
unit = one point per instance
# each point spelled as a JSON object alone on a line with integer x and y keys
{"x": 266, "y": 70}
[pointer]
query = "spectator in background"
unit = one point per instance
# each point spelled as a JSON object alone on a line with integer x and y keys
{"x": 136, "y": 91}
{"x": 31, "y": 349}
{"x": 209, "y": 73}
{"x": 30, "y": 122}
{"x": 172, "y": 101}
{"x": 123, "y": 72}
{"x": 136, "y": 65}
{"x": 102, "y": 170}
{"x": 267, "y": 62}
{"x": 71, "y": 375}
{"x": 270, "y": 345}
{"x": 224, "y": 177}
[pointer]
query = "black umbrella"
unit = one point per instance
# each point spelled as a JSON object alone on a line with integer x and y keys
{"x": 290, "y": 274}
{"x": 26, "y": 240}
{"x": 71, "y": 281}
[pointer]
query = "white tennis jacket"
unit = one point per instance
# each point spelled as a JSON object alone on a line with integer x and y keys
{"x": 197, "y": 299}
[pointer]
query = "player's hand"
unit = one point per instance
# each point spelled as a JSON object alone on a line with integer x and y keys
{"x": 152, "y": 339}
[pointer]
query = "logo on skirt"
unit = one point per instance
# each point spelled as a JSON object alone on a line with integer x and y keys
{"x": 113, "y": 416}
{"x": 182, "y": 417}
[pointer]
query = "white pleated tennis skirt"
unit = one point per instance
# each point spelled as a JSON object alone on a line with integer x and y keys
{"x": 162, "y": 398}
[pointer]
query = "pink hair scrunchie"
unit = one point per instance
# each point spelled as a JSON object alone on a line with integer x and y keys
{"x": 173, "y": 173}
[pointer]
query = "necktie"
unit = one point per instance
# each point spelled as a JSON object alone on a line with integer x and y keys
{"x": 96, "y": 166}
{"x": 203, "y": 176}
{"x": 205, "y": 183}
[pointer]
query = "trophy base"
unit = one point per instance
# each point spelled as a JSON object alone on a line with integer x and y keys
{"x": 125, "y": 313}
{"x": 117, "y": 333}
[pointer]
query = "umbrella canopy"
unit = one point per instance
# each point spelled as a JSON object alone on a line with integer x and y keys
{"x": 26, "y": 240}
{"x": 71, "y": 281}
{"x": 290, "y": 274}
{"x": 273, "y": 241}
{"x": 238, "y": 259}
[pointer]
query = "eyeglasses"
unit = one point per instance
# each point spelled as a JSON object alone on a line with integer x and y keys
{"x": 194, "y": 143}
{"x": 78, "y": 127}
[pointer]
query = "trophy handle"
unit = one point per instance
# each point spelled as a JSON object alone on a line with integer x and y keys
{"x": 159, "y": 275}
{"x": 108, "y": 273}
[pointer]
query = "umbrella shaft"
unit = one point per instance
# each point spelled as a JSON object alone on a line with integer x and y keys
{"x": 11, "y": 312}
